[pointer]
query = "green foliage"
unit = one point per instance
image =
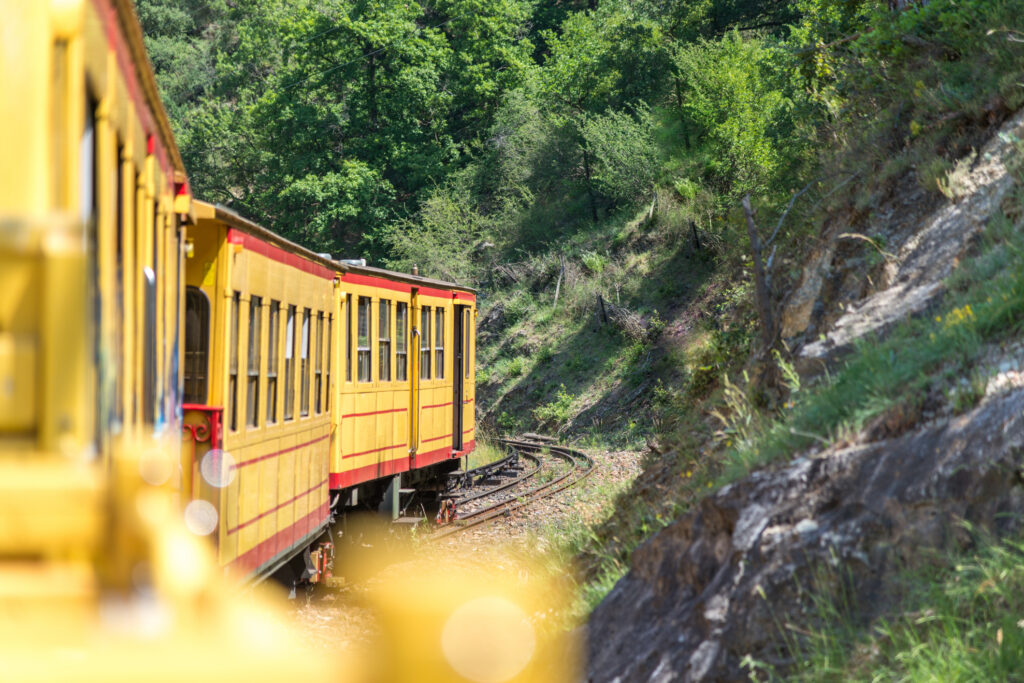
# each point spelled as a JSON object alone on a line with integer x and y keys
{"x": 440, "y": 240}
{"x": 594, "y": 262}
{"x": 518, "y": 305}
{"x": 557, "y": 412}
{"x": 986, "y": 304}
{"x": 739, "y": 99}
{"x": 625, "y": 158}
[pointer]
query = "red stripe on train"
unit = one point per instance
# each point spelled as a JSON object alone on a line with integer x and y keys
{"x": 280, "y": 543}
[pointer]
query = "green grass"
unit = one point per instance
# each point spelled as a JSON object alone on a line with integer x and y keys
{"x": 961, "y": 618}
{"x": 485, "y": 452}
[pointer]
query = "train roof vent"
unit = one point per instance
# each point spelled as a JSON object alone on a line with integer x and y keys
{"x": 324, "y": 255}
{"x": 354, "y": 261}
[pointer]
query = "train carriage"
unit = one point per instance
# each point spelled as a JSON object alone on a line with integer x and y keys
{"x": 94, "y": 203}
{"x": 303, "y": 375}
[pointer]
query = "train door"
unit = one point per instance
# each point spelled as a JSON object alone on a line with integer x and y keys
{"x": 458, "y": 385}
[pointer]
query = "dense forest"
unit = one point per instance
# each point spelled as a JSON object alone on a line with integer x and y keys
{"x": 406, "y": 130}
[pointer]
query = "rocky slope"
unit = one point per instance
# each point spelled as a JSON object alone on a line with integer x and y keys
{"x": 732, "y": 577}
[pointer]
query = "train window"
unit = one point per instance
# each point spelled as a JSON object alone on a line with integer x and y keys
{"x": 330, "y": 353}
{"x": 401, "y": 333}
{"x": 425, "y": 342}
{"x": 119, "y": 222}
{"x": 149, "y": 387}
{"x": 197, "y": 344}
{"x": 236, "y": 302}
{"x": 304, "y": 400}
{"x": 439, "y": 344}
{"x": 273, "y": 330}
{"x": 348, "y": 337}
{"x": 363, "y": 342}
{"x": 384, "y": 348}
{"x": 289, "y": 365}
{"x": 467, "y": 320}
{"x": 252, "y": 390}
{"x": 318, "y": 365}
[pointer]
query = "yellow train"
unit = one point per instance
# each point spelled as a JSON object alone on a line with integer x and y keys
{"x": 307, "y": 381}
{"x": 136, "y": 321}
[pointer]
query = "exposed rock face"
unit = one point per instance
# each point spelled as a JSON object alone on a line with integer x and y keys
{"x": 796, "y": 315}
{"x": 914, "y": 275}
{"x": 716, "y": 584}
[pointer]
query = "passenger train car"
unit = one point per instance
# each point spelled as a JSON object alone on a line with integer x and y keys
{"x": 307, "y": 381}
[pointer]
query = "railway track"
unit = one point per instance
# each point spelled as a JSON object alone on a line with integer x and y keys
{"x": 575, "y": 467}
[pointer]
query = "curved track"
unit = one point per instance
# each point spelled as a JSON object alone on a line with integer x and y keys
{"x": 578, "y": 466}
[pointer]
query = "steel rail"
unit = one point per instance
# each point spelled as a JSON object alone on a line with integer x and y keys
{"x": 582, "y": 467}
{"x": 502, "y": 487}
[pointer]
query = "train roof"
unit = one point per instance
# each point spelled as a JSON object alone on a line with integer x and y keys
{"x": 205, "y": 210}
{"x": 131, "y": 29}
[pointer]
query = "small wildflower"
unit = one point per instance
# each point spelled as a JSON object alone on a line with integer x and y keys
{"x": 938, "y": 318}
{"x": 709, "y": 484}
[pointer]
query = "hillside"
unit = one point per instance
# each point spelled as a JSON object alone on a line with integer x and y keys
{"x": 774, "y": 245}
{"x": 822, "y": 564}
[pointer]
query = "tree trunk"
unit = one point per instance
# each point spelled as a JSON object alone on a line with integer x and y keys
{"x": 763, "y": 296}
{"x": 558, "y": 285}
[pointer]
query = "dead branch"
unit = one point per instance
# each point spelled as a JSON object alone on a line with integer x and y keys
{"x": 558, "y": 285}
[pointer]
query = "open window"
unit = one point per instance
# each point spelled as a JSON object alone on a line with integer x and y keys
{"x": 197, "y": 345}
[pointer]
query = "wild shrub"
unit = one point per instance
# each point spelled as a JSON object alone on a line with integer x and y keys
{"x": 518, "y": 306}
{"x": 558, "y": 411}
{"x": 624, "y": 153}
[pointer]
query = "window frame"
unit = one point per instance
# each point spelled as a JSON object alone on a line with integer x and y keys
{"x": 330, "y": 354}
{"x": 425, "y": 351}
{"x": 304, "y": 364}
{"x": 384, "y": 340}
{"x": 253, "y": 359}
{"x": 439, "y": 339}
{"x": 364, "y": 371}
{"x": 401, "y": 342}
{"x": 273, "y": 366}
{"x": 197, "y": 359}
{"x": 289, "y": 363}
{"x": 467, "y": 334}
{"x": 348, "y": 337}
{"x": 318, "y": 365}
{"x": 232, "y": 361}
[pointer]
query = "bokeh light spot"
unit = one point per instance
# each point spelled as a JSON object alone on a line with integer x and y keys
{"x": 200, "y": 517}
{"x": 217, "y": 468}
{"x": 488, "y": 640}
